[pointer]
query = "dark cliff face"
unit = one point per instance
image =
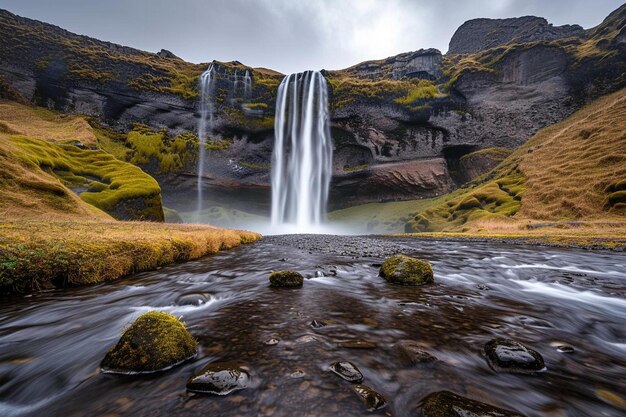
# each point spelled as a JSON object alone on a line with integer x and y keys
{"x": 482, "y": 34}
{"x": 400, "y": 125}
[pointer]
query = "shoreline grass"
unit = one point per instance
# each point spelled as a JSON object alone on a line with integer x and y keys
{"x": 37, "y": 255}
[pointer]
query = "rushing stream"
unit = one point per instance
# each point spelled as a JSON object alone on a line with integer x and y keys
{"x": 51, "y": 343}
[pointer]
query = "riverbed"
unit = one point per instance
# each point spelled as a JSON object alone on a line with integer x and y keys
{"x": 568, "y": 304}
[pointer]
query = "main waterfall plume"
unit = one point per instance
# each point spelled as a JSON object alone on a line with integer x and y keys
{"x": 205, "y": 125}
{"x": 302, "y": 157}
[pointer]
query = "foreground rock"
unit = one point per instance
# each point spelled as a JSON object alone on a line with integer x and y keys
{"x": 412, "y": 353}
{"x": 448, "y": 404}
{"x": 156, "y": 341}
{"x": 220, "y": 378}
{"x": 372, "y": 399}
{"x": 505, "y": 355}
{"x": 286, "y": 279}
{"x": 404, "y": 270}
{"x": 347, "y": 371}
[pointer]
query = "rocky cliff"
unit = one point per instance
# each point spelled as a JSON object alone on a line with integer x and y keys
{"x": 401, "y": 126}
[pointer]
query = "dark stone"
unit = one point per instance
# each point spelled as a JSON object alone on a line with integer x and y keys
{"x": 286, "y": 279}
{"x": 220, "y": 378}
{"x": 401, "y": 269}
{"x": 412, "y": 352}
{"x": 505, "y": 355}
{"x": 192, "y": 299}
{"x": 317, "y": 324}
{"x": 565, "y": 349}
{"x": 372, "y": 399}
{"x": 347, "y": 371}
{"x": 448, "y": 404}
{"x": 357, "y": 344}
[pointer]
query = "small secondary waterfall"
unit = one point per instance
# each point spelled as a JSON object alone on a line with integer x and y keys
{"x": 247, "y": 84}
{"x": 205, "y": 125}
{"x": 302, "y": 157}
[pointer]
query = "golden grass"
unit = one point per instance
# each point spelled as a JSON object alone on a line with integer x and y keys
{"x": 35, "y": 255}
{"x": 45, "y": 124}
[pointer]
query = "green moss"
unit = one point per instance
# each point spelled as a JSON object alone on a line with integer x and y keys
{"x": 171, "y": 216}
{"x": 401, "y": 269}
{"x": 286, "y": 279}
{"x": 254, "y": 106}
{"x": 255, "y": 165}
{"x": 423, "y": 89}
{"x": 156, "y": 341}
{"x": 492, "y": 153}
{"x": 169, "y": 154}
{"x": 354, "y": 168}
{"x": 115, "y": 183}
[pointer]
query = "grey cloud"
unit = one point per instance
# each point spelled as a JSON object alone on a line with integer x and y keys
{"x": 291, "y": 35}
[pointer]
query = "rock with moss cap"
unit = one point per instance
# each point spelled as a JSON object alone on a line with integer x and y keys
{"x": 446, "y": 404}
{"x": 286, "y": 279}
{"x": 404, "y": 270}
{"x": 156, "y": 341}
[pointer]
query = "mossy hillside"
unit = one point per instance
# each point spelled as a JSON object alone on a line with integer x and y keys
{"x": 82, "y": 250}
{"x": 111, "y": 182}
{"x": 156, "y": 341}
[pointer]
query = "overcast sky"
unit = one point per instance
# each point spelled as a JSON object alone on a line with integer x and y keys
{"x": 292, "y": 35}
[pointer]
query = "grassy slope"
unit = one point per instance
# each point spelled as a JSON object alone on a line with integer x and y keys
{"x": 569, "y": 175}
{"x": 50, "y": 237}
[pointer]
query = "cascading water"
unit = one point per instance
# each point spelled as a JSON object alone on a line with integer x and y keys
{"x": 302, "y": 157}
{"x": 205, "y": 124}
{"x": 247, "y": 84}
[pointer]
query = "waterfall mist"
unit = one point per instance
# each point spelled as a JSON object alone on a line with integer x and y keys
{"x": 205, "y": 125}
{"x": 302, "y": 156}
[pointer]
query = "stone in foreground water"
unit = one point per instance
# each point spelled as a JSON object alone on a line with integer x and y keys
{"x": 449, "y": 404}
{"x": 347, "y": 370}
{"x": 506, "y": 355}
{"x": 404, "y": 270}
{"x": 156, "y": 341}
{"x": 286, "y": 279}
{"x": 373, "y": 400}
{"x": 412, "y": 352}
{"x": 220, "y": 378}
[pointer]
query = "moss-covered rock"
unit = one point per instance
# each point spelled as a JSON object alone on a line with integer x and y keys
{"x": 286, "y": 279}
{"x": 402, "y": 269}
{"x": 156, "y": 341}
{"x": 446, "y": 404}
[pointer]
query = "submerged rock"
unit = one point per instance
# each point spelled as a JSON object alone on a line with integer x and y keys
{"x": 347, "y": 370}
{"x": 286, "y": 279}
{"x": 220, "y": 378}
{"x": 372, "y": 399}
{"x": 191, "y": 299}
{"x": 357, "y": 344}
{"x": 156, "y": 341}
{"x": 448, "y": 404}
{"x": 505, "y": 355}
{"x": 413, "y": 353}
{"x": 316, "y": 324}
{"x": 401, "y": 269}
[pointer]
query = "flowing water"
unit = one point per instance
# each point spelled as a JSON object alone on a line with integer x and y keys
{"x": 302, "y": 156}
{"x": 205, "y": 124}
{"x": 51, "y": 343}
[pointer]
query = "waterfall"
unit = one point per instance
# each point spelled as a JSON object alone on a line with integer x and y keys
{"x": 205, "y": 124}
{"x": 247, "y": 84}
{"x": 302, "y": 157}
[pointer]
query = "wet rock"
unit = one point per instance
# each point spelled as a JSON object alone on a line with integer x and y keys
{"x": 357, "y": 344}
{"x": 347, "y": 370}
{"x": 298, "y": 373}
{"x": 372, "y": 399}
{"x": 220, "y": 378}
{"x": 156, "y": 341}
{"x": 413, "y": 353}
{"x": 401, "y": 269}
{"x": 193, "y": 299}
{"x": 448, "y": 404}
{"x": 565, "y": 349}
{"x": 271, "y": 342}
{"x": 286, "y": 279}
{"x": 505, "y": 355}
{"x": 316, "y": 324}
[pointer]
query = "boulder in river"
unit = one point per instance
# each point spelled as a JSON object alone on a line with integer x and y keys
{"x": 156, "y": 341}
{"x": 413, "y": 353}
{"x": 506, "y": 355}
{"x": 448, "y": 404}
{"x": 401, "y": 269}
{"x": 347, "y": 370}
{"x": 373, "y": 400}
{"x": 286, "y": 279}
{"x": 220, "y": 378}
